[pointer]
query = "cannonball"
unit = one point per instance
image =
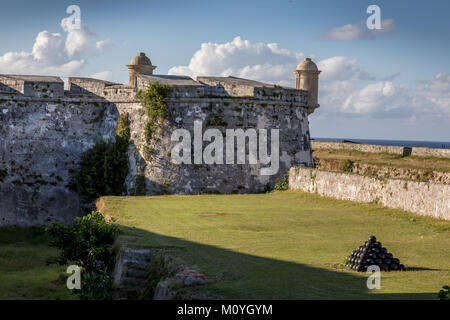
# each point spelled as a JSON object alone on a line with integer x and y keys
{"x": 372, "y": 239}
{"x": 394, "y": 266}
{"x": 378, "y": 261}
{"x": 381, "y": 255}
{"x": 387, "y": 261}
{"x": 396, "y": 261}
{"x": 384, "y": 267}
{"x": 389, "y": 255}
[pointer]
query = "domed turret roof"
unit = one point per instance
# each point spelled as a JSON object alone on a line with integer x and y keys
{"x": 307, "y": 65}
{"x": 140, "y": 59}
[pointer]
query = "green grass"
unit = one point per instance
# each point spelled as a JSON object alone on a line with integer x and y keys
{"x": 385, "y": 159}
{"x": 286, "y": 245}
{"x": 23, "y": 272}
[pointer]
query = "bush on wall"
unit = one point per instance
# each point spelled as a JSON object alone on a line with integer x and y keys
{"x": 104, "y": 167}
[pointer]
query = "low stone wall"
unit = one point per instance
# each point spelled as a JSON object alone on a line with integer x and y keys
{"x": 384, "y": 171}
{"x": 422, "y": 152}
{"x": 424, "y": 198}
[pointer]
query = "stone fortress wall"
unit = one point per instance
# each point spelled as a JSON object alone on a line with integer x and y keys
{"x": 424, "y": 198}
{"x": 406, "y": 151}
{"x": 44, "y": 130}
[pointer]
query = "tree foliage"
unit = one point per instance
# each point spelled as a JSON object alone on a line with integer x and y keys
{"x": 88, "y": 243}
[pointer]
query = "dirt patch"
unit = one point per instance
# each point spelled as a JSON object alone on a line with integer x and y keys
{"x": 208, "y": 214}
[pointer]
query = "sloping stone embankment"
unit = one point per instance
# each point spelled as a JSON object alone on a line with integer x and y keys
{"x": 393, "y": 172}
{"x": 422, "y": 152}
{"x": 424, "y": 198}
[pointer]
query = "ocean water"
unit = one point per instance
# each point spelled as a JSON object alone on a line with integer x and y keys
{"x": 403, "y": 143}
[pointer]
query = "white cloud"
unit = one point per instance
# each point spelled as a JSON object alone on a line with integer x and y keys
{"x": 103, "y": 45}
{"x": 345, "y": 88}
{"x": 359, "y": 31}
{"x": 54, "y": 54}
{"x": 342, "y": 68}
{"x": 241, "y": 58}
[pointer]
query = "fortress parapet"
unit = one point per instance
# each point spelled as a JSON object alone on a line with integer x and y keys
{"x": 32, "y": 86}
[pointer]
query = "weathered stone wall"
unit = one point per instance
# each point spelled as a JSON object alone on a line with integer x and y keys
{"x": 41, "y": 141}
{"x": 425, "y": 198}
{"x": 162, "y": 176}
{"x": 423, "y": 152}
{"x": 385, "y": 171}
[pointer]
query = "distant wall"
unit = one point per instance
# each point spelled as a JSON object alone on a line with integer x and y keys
{"x": 423, "y": 152}
{"x": 424, "y": 198}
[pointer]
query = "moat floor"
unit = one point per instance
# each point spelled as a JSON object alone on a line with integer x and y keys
{"x": 286, "y": 245}
{"x": 23, "y": 271}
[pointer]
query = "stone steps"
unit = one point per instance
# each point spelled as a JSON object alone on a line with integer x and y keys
{"x": 130, "y": 273}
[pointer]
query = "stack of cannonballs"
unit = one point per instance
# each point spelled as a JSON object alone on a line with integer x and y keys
{"x": 372, "y": 253}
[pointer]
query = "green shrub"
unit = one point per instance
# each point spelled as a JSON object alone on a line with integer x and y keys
{"x": 104, "y": 167}
{"x": 3, "y": 174}
{"x": 98, "y": 285}
{"x": 102, "y": 171}
{"x": 347, "y": 166}
{"x": 88, "y": 243}
{"x": 161, "y": 267}
{"x": 283, "y": 184}
{"x": 444, "y": 294}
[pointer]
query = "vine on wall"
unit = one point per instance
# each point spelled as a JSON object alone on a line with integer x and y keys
{"x": 154, "y": 102}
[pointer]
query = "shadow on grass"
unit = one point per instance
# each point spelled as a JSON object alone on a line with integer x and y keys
{"x": 234, "y": 275}
{"x": 409, "y": 268}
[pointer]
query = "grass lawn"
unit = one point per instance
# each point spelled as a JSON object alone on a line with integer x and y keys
{"x": 23, "y": 273}
{"x": 286, "y": 245}
{"x": 385, "y": 159}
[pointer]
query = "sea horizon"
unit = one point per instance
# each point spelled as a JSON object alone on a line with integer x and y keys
{"x": 386, "y": 142}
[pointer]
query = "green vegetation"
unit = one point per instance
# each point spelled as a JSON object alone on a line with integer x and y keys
{"x": 23, "y": 271}
{"x": 3, "y": 174}
{"x": 283, "y": 184}
{"x": 444, "y": 294}
{"x": 347, "y": 166}
{"x": 104, "y": 167}
{"x": 161, "y": 267}
{"x": 286, "y": 244}
{"x": 89, "y": 245}
{"x": 88, "y": 242}
{"x": 154, "y": 102}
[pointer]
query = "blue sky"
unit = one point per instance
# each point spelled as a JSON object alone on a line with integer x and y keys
{"x": 398, "y": 69}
